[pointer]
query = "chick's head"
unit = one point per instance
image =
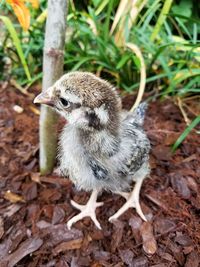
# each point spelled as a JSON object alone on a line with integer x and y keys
{"x": 84, "y": 100}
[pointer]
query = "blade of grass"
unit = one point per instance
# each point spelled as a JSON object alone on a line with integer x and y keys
{"x": 190, "y": 87}
{"x": 123, "y": 61}
{"x": 191, "y": 19}
{"x": 182, "y": 25}
{"x": 101, "y": 7}
{"x": 160, "y": 50}
{"x": 146, "y": 18}
{"x": 195, "y": 33}
{"x": 33, "y": 80}
{"x": 16, "y": 43}
{"x": 161, "y": 19}
{"x": 120, "y": 11}
{"x": 108, "y": 16}
{"x": 179, "y": 77}
{"x": 81, "y": 62}
{"x": 185, "y": 133}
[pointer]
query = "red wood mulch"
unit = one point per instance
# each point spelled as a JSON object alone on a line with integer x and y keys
{"x": 34, "y": 209}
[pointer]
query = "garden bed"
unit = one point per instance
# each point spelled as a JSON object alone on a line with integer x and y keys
{"x": 34, "y": 209}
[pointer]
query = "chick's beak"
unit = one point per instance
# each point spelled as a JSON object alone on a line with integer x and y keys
{"x": 45, "y": 97}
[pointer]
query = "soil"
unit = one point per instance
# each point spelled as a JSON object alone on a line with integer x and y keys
{"x": 34, "y": 209}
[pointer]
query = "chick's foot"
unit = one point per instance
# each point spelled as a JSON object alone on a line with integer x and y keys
{"x": 87, "y": 210}
{"x": 132, "y": 201}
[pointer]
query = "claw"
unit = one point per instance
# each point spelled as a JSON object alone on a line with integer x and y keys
{"x": 132, "y": 201}
{"x": 87, "y": 210}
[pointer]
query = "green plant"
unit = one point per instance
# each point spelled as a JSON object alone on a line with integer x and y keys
{"x": 96, "y": 49}
{"x": 98, "y": 32}
{"x": 24, "y": 49}
{"x": 168, "y": 41}
{"x": 172, "y": 59}
{"x": 17, "y": 44}
{"x": 185, "y": 133}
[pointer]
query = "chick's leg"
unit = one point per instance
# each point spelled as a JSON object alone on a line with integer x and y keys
{"x": 132, "y": 201}
{"x": 87, "y": 210}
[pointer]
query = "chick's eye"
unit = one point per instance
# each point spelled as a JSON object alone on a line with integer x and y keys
{"x": 64, "y": 102}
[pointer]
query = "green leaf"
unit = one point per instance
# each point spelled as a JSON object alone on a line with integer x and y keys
{"x": 137, "y": 62}
{"x": 184, "y": 7}
{"x": 101, "y": 6}
{"x": 184, "y": 17}
{"x": 16, "y": 43}
{"x": 185, "y": 133}
{"x": 162, "y": 17}
{"x": 123, "y": 61}
{"x": 108, "y": 17}
{"x": 81, "y": 62}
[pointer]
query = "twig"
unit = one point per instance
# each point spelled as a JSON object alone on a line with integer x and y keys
{"x": 191, "y": 98}
{"x": 160, "y": 131}
{"x": 190, "y": 109}
{"x": 180, "y": 105}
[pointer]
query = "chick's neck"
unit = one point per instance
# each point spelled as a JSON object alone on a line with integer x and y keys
{"x": 104, "y": 141}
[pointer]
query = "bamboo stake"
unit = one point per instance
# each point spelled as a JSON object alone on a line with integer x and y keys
{"x": 53, "y": 58}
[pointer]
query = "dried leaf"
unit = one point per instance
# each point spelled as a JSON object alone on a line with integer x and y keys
{"x": 58, "y": 215}
{"x": 43, "y": 224}
{"x": 135, "y": 223}
{"x": 153, "y": 196}
{"x": 140, "y": 262}
{"x": 1, "y": 227}
{"x": 117, "y": 235}
{"x": 102, "y": 255}
{"x": 35, "y": 177}
{"x": 50, "y": 180}
{"x": 163, "y": 226}
{"x": 192, "y": 184}
{"x": 50, "y": 195}
{"x": 149, "y": 242}
{"x": 160, "y": 265}
{"x": 48, "y": 211}
{"x": 165, "y": 256}
{"x": 27, "y": 247}
{"x": 19, "y": 232}
{"x": 12, "y": 197}
{"x": 30, "y": 191}
{"x": 62, "y": 263}
{"x": 69, "y": 245}
{"x": 162, "y": 153}
{"x": 176, "y": 251}
{"x": 193, "y": 259}
{"x": 179, "y": 184}
{"x": 97, "y": 234}
{"x": 183, "y": 240}
{"x": 11, "y": 210}
{"x": 60, "y": 233}
{"x": 34, "y": 109}
{"x": 127, "y": 256}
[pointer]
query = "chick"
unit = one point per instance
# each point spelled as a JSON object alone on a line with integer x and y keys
{"x": 101, "y": 147}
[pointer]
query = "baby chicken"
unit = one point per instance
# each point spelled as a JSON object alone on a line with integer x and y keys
{"x": 101, "y": 147}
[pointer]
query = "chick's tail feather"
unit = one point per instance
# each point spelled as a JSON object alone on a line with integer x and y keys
{"x": 139, "y": 113}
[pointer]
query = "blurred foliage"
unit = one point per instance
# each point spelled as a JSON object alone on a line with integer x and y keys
{"x": 185, "y": 133}
{"x": 98, "y": 36}
{"x": 98, "y": 31}
{"x": 31, "y": 42}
